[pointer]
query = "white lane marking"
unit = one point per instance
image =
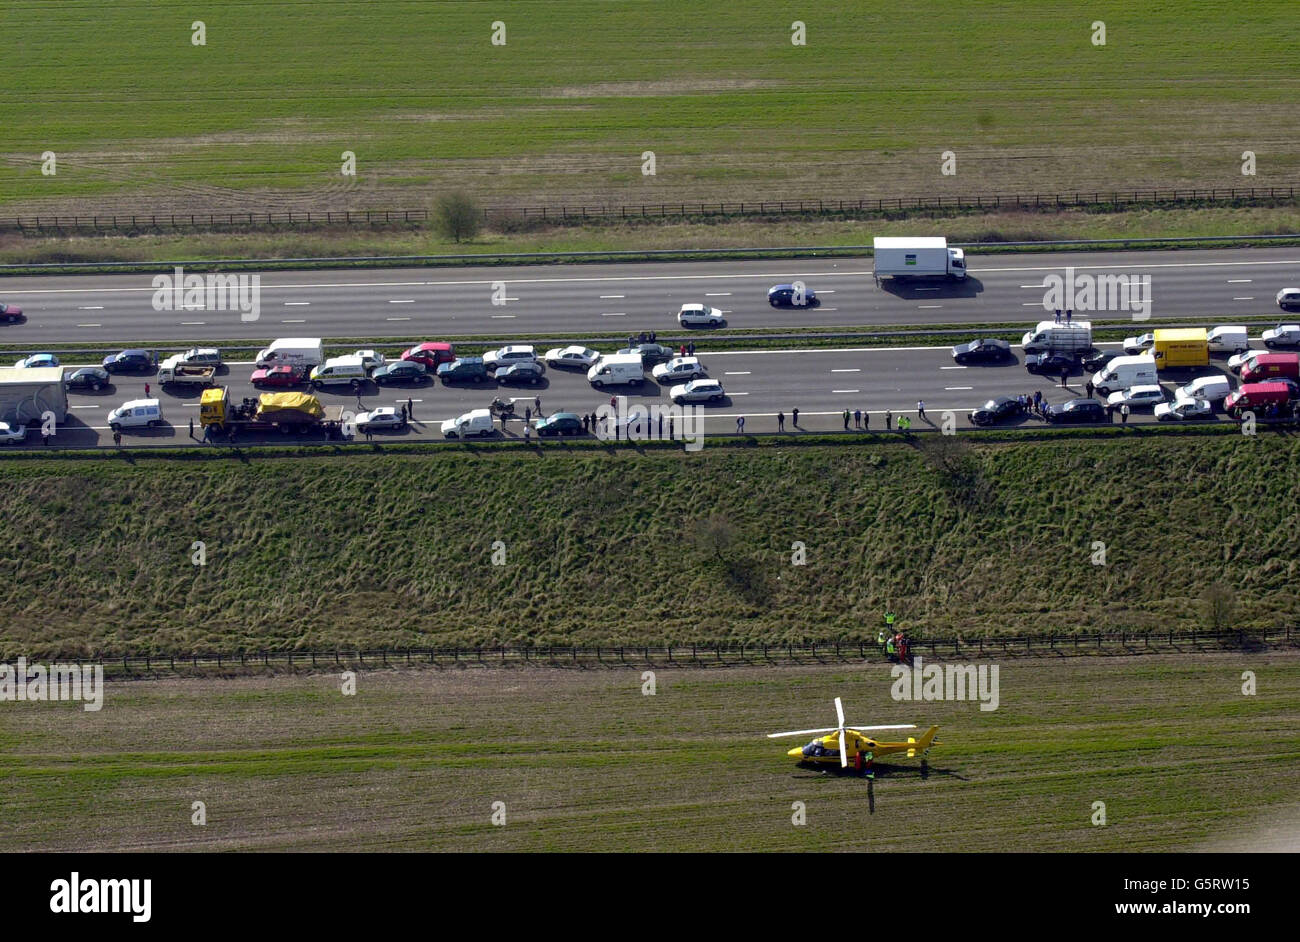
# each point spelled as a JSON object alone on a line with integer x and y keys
{"x": 829, "y": 309}
{"x": 193, "y": 323}
{"x": 952, "y": 367}
{"x": 829, "y": 291}
{"x": 848, "y": 370}
{"x": 1240, "y": 281}
{"x": 90, "y": 325}
{"x": 956, "y": 388}
{"x": 612, "y": 297}
{"x": 296, "y": 303}
{"x": 1040, "y": 285}
{"x": 391, "y": 301}
{"x": 717, "y": 294}
{"x": 1243, "y": 299}
{"x": 294, "y": 320}
{"x": 1032, "y": 304}
{"x": 846, "y": 391}
{"x": 397, "y": 318}
{"x": 91, "y": 307}
{"x": 85, "y": 407}
{"x": 615, "y": 314}
{"x": 737, "y": 373}
{"x": 291, "y": 286}
{"x": 504, "y": 316}
{"x": 925, "y": 306}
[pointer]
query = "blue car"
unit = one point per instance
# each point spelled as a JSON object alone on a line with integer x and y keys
{"x": 786, "y": 296}
{"x": 129, "y": 361}
{"x": 37, "y": 360}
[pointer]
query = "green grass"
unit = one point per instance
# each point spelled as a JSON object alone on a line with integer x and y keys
{"x": 259, "y": 116}
{"x": 611, "y": 546}
{"x": 584, "y": 762}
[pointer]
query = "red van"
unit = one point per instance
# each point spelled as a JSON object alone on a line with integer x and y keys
{"x": 431, "y": 354}
{"x": 1256, "y": 396}
{"x": 1268, "y": 366}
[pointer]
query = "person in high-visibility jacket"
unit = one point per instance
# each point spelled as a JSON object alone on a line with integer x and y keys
{"x": 880, "y": 639}
{"x": 890, "y": 649}
{"x": 889, "y": 621}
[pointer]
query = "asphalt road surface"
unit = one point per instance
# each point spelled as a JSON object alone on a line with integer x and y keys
{"x": 611, "y": 300}
{"x": 759, "y": 384}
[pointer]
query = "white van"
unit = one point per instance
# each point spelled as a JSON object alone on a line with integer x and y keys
{"x": 350, "y": 369}
{"x": 477, "y": 422}
{"x": 1051, "y": 337}
{"x": 1123, "y": 372}
{"x": 138, "y": 413}
{"x": 1211, "y": 388}
{"x": 292, "y": 351}
{"x": 1227, "y": 340}
{"x": 617, "y": 368}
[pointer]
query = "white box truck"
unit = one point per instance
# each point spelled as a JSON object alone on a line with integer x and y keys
{"x": 292, "y": 351}
{"x": 917, "y": 257}
{"x": 617, "y": 369}
{"x": 1051, "y": 337}
{"x": 27, "y": 394}
{"x": 1227, "y": 340}
{"x": 1123, "y": 372}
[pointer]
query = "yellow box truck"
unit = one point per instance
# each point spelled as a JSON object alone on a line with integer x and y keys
{"x": 1181, "y": 347}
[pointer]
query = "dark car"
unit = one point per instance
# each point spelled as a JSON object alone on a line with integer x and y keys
{"x": 524, "y": 372}
{"x": 1077, "y": 410}
{"x": 651, "y": 353}
{"x": 786, "y": 296}
{"x": 401, "y": 372}
{"x": 995, "y": 410}
{"x": 1098, "y": 359}
{"x": 10, "y": 313}
{"x": 982, "y": 351}
{"x": 463, "y": 370}
{"x": 88, "y": 377}
{"x": 129, "y": 361}
{"x": 560, "y": 423}
{"x": 1050, "y": 364}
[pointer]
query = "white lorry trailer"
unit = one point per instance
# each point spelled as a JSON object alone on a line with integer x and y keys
{"x": 1051, "y": 337}
{"x": 27, "y": 394}
{"x": 292, "y": 351}
{"x": 917, "y": 257}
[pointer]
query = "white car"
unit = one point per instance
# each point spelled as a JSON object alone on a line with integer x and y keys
{"x": 509, "y": 356}
{"x": 1283, "y": 335}
{"x": 200, "y": 356}
{"x": 1239, "y": 360}
{"x": 12, "y": 434}
{"x": 376, "y": 420}
{"x": 1288, "y": 298}
{"x": 576, "y": 357}
{"x": 679, "y": 369}
{"x": 699, "y": 390}
{"x": 370, "y": 359}
{"x": 700, "y": 315}
{"x": 1135, "y": 345}
{"x": 1137, "y": 397}
{"x": 1184, "y": 407}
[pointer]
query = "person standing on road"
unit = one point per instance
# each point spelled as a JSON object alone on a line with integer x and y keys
{"x": 191, "y": 428}
{"x": 857, "y": 418}
{"x": 410, "y": 408}
{"x": 740, "y": 425}
{"x": 1123, "y": 414}
{"x": 403, "y": 413}
{"x": 537, "y": 403}
{"x": 661, "y": 426}
{"x": 889, "y": 419}
{"x": 671, "y": 436}
{"x": 846, "y": 420}
{"x": 117, "y": 437}
{"x": 780, "y": 421}
{"x": 528, "y": 415}
{"x": 920, "y": 408}
{"x": 1090, "y": 388}
{"x": 146, "y": 390}
{"x": 866, "y": 420}
{"x": 584, "y": 424}
{"x": 1069, "y": 315}
{"x": 528, "y": 434}
{"x": 690, "y": 348}
{"x": 1058, "y": 315}
{"x": 1065, "y": 376}
{"x": 794, "y": 413}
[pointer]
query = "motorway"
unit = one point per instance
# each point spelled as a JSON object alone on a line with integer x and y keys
{"x": 820, "y": 383}
{"x": 611, "y": 300}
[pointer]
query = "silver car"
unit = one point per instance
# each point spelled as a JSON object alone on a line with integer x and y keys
{"x": 699, "y": 390}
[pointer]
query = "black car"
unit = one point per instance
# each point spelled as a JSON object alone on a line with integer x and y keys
{"x": 88, "y": 377}
{"x": 651, "y": 353}
{"x": 400, "y": 372}
{"x": 1077, "y": 410}
{"x": 463, "y": 370}
{"x": 1050, "y": 364}
{"x": 525, "y": 371}
{"x": 982, "y": 351}
{"x": 129, "y": 361}
{"x": 1097, "y": 359}
{"x": 786, "y": 296}
{"x": 560, "y": 423}
{"x": 995, "y": 410}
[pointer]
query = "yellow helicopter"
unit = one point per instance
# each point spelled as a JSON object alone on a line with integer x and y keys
{"x": 845, "y": 742}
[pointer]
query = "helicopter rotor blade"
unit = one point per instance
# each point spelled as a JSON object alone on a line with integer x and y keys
{"x": 861, "y": 729}
{"x": 844, "y": 757}
{"x": 803, "y": 732}
{"x": 839, "y": 712}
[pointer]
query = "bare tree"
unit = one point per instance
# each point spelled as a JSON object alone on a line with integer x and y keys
{"x": 1220, "y": 606}
{"x": 714, "y": 535}
{"x": 457, "y": 216}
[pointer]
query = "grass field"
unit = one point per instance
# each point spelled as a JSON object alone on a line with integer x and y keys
{"x": 610, "y": 546}
{"x": 140, "y": 118}
{"x": 582, "y": 760}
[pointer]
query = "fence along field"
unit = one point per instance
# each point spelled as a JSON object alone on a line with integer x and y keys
{"x": 142, "y": 121}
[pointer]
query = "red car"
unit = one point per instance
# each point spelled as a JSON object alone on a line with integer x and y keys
{"x": 431, "y": 354}
{"x": 279, "y": 376}
{"x": 10, "y": 313}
